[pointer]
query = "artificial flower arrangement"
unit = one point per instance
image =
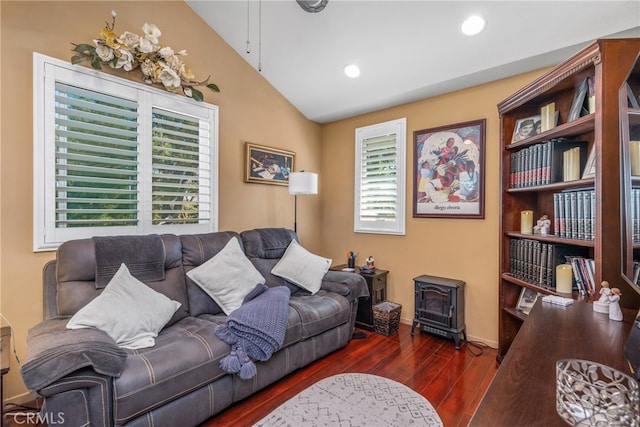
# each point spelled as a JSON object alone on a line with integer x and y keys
{"x": 159, "y": 65}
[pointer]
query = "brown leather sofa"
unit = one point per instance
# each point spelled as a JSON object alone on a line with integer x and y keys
{"x": 179, "y": 381}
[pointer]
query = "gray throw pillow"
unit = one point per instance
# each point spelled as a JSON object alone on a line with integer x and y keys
{"x": 227, "y": 277}
{"x": 301, "y": 267}
{"x": 129, "y": 311}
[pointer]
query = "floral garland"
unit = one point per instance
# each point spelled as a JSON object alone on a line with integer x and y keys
{"x": 159, "y": 65}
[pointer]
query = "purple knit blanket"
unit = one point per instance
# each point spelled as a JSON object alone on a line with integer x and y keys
{"x": 255, "y": 330}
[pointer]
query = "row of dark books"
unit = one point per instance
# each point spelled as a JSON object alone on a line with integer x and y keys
{"x": 535, "y": 262}
{"x": 574, "y": 214}
{"x": 542, "y": 164}
{"x": 635, "y": 214}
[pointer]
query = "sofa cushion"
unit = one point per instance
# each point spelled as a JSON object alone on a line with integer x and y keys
{"x": 292, "y": 335}
{"x": 301, "y": 267}
{"x": 76, "y": 274}
{"x": 196, "y": 250}
{"x": 264, "y": 247}
{"x": 320, "y": 312}
{"x": 227, "y": 277}
{"x": 128, "y": 311}
{"x": 186, "y": 357}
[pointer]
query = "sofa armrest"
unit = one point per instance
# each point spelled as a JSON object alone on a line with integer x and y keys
{"x": 82, "y": 398}
{"x": 351, "y": 285}
{"x": 54, "y": 351}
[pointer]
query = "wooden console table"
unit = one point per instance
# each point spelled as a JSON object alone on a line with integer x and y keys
{"x": 523, "y": 392}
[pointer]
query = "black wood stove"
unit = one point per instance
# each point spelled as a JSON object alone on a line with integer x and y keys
{"x": 439, "y": 307}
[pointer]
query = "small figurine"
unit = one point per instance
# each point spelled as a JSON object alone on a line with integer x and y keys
{"x": 604, "y": 292}
{"x": 615, "y": 313}
{"x": 543, "y": 226}
{"x": 602, "y": 305}
{"x": 369, "y": 267}
{"x": 370, "y": 263}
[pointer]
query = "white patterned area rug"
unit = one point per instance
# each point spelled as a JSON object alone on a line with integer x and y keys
{"x": 350, "y": 400}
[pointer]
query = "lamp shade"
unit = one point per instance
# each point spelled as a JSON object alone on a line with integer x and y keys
{"x": 303, "y": 183}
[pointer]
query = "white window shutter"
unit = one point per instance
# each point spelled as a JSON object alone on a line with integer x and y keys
{"x": 112, "y": 156}
{"x": 380, "y": 178}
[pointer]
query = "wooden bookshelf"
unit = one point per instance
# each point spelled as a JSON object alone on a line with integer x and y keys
{"x": 607, "y": 63}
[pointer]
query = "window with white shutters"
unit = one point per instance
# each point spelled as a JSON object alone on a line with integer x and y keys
{"x": 115, "y": 157}
{"x": 380, "y": 178}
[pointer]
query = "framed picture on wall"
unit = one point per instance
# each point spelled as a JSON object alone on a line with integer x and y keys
{"x": 448, "y": 178}
{"x": 267, "y": 165}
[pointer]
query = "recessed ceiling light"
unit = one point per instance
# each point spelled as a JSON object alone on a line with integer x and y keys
{"x": 473, "y": 25}
{"x": 352, "y": 70}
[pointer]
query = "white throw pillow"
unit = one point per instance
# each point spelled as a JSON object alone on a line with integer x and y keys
{"x": 301, "y": 267}
{"x": 128, "y": 311}
{"x": 227, "y": 277}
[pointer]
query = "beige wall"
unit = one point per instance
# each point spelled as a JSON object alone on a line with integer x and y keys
{"x": 250, "y": 110}
{"x": 465, "y": 249}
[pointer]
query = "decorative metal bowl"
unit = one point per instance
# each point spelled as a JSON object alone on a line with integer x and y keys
{"x": 592, "y": 394}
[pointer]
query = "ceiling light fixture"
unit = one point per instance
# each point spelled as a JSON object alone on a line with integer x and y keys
{"x": 473, "y": 25}
{"x": 312, "y": 6}
{"x": 352, "y": 70}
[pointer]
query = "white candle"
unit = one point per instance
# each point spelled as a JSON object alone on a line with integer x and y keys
{"x": 526, "y": 222}
{"x": 564, "y": 274}
{"x": 634, "y": 152}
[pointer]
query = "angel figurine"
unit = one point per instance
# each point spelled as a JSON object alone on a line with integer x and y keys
{"x": 615, "y": 313}
{"x": 543, "y": 226}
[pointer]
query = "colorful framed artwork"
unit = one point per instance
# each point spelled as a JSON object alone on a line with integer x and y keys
{"x": 448, "y": 179}
{"x": 267, "y": 165}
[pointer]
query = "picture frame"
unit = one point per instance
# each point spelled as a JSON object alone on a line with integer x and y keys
{"x": 268, "y": 165}
{"x": 578, "y": 101}
{"x": 449, "y": 174}
{"x": 526, "y": 128}
{"x": 527, "y": 299}
{"x": 590, "y": 165}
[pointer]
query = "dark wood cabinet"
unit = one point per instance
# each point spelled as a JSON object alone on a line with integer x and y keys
{"x": 605, "y": 64}
{"x": 377, "y": 284}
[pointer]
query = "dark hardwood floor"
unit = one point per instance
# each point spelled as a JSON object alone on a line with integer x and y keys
{"x": 454, "y": 381}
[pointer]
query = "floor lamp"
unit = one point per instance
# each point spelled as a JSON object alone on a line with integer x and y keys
{"x": 301, "y": 183}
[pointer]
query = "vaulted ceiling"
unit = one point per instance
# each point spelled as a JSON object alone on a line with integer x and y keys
{"x": 406, "y": 50}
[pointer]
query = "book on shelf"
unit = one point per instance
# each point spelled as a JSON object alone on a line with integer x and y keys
{"x": 574, "y": 214}
{"x": 577, "y": 105}
{"x": 583, "y": 274}
{"x": 571, "y": 164}
{"x": 542, "y": 164}
{"x": 548, "y": 117}
{"x": 635, "y": 215}
{"x": 591, "y": 94}
{"x": 535, "y": 262}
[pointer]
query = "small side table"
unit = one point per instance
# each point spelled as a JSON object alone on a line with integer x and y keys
{"x": 377, "y": 284}
{"x": 5, "y": 350}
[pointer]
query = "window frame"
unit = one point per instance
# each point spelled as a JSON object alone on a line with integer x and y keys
{"x": 46, "y": 71}
{"x": 397, "y": 226}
